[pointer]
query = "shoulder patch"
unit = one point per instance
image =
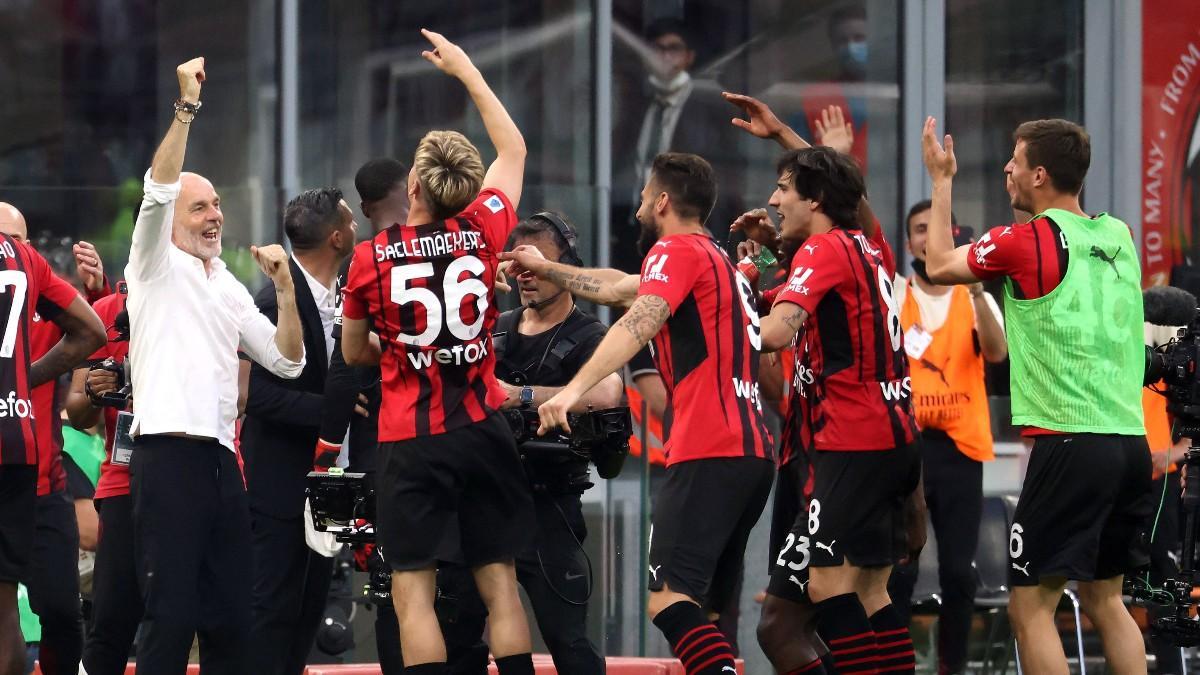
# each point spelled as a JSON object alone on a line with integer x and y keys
{"x": 494, "y": 204}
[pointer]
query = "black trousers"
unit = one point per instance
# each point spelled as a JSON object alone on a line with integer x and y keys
{"x": 53, "y": 581}
{"x": 116, "y": 602}
{"x": 553, "y": 576}
{"x": 192, "y": 547}
{"x": 291, "y": 584}
{"x": 954, "y": 494}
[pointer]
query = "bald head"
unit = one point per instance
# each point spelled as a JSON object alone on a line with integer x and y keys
{"x": 12, "y": 222}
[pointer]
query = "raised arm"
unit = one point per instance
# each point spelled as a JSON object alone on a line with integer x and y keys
{"x": 83, "y": 334}
{"x": 761, "y": 122}
{"x": 152, "y": 231}
{"x": 601, "y": 286}
{"x": 629, "y": 334}
{"x": 944, "y": 263}
{"x": 507, "y": 173}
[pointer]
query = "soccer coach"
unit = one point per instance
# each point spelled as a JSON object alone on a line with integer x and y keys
{"x": 189, "y": 317}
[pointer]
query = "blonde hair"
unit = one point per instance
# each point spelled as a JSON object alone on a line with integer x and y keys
{"x": 450, "y": 172}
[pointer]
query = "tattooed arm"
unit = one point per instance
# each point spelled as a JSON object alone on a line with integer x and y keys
{"x": 631, "y": 332}
{"x": 601, "y": 286}
{"x": 781, "y": 325}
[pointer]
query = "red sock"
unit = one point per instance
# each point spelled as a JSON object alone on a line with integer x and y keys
{"x": 893, "y": 644}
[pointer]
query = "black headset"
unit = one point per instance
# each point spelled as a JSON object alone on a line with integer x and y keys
{"x": 571, "y": 255}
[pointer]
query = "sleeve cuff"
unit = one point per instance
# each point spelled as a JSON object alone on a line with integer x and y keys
{"x": 159, "y": 193}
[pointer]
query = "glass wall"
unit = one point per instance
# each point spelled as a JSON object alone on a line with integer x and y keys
{"x": 1005, "y": 63}
{"x": 88, "y": 89}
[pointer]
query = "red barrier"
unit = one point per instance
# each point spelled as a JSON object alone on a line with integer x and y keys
{"x": 616, "y": 665}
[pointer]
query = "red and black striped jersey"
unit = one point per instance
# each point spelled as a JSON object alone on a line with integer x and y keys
{"x": 427, "y": 290}
{"x": 707, "y": 351}
{"x": 851, "y": 385}
{"x": 1033, "y": 255}
{"x": 47, "y": 426}
{"x": 27, "y": 285}
{"x": 114, "y": 478}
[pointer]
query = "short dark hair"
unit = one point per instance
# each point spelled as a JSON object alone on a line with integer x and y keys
{"x": 1063, "y": 148}
{"x": 923, "y": 205}
{"x": 378, "y": 177}
{"x": 828, "y": 177}
{"x": 532, "y": 228}
{"x": 311, "y": 217}
{"x": 688, "y": 179}
{"x": 846, "y": 13}
{"x": 670, "y": 26}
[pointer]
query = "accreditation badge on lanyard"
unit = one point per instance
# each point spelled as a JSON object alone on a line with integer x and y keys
{"x": 122, "y": 441}
{"x": 916, "y": 341}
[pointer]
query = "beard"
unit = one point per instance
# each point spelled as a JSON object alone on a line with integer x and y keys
{"x": 648, "y": 237}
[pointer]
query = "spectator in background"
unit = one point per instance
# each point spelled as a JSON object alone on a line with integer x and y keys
{"x": 682, "y": 114}
{"x": 848, "y": 38}
{"x": 283, "y": 416}
{"x": 949, "y": 333}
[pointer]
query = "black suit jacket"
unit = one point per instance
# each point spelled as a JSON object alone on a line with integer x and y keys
{"x": 283, "y": 416}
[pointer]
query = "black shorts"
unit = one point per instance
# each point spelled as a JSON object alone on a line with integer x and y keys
{"x": 857, "y": 509}
{"x": 1084, "y": 508}
{"x": 18, "y": 507}
{"x": 464, "y": 490}
{"x": 789, "y": 553}
{"x": 702, "y": 518}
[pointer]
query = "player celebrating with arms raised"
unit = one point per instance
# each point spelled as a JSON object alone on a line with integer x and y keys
{"x": 448, "y": 462}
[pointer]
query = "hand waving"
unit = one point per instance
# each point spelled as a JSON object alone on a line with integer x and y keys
{"x": 939, "y": 161}
{"x": 835, "y": 130}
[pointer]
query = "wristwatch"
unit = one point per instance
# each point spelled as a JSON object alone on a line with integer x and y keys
{"x": 526, "y": 396}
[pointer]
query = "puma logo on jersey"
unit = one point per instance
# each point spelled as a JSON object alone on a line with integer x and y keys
{"x": 729, "y": 668}
{"x": 811, "y": 248}
{"x": 828, "y": 548}
{"x": 792, "y": 578}
{"x": 929, "y": 365}
{"x": 1098, "y": 252}
{"x": 654, "y": 572}
{"x": 1023, "y": 569}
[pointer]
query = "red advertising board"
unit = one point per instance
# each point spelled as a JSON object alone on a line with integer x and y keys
{"x": 1170, "y": 137}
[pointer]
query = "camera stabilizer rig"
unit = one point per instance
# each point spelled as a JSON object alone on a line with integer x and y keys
{"x": 344, "y": 503}
{"x": 1175, "y": 365}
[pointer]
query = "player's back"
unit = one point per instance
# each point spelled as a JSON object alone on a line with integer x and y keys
{"x": 24, "y": 277}
{"x": 428, "y": 292}
{"x": 707, "y": 351}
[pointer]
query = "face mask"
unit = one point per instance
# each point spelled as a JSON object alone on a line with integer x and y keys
{"x": 667, "y": 87}
{"x": 853, "y": 57}
{"x": 919, "y": 267}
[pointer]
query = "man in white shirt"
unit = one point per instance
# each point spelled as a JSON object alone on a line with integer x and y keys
{"x": 949, "y": 332}
{"x": 283, "y": 417}
{"x": 189, "y": 317}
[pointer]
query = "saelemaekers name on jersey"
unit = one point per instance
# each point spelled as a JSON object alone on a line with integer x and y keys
{"x": 430, "y": 246}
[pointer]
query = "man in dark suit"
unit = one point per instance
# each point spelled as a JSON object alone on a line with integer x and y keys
{"x": 680, "y": 113}
{"x": 291, "y": 580}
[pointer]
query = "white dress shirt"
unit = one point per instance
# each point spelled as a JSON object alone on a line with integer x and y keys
{"x": 324, "y": 297}
{"x": 186, "y": 328}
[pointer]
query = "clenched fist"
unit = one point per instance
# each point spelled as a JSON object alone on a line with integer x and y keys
{"x": 273, "y": 261}
{"x": 190, "y": 75}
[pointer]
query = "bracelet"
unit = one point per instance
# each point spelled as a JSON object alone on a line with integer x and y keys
{"x": 190, "y": 109}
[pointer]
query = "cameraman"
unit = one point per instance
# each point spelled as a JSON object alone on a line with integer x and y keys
{"x": 539, "y": 348}
{"x": 1073, "y": 313}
